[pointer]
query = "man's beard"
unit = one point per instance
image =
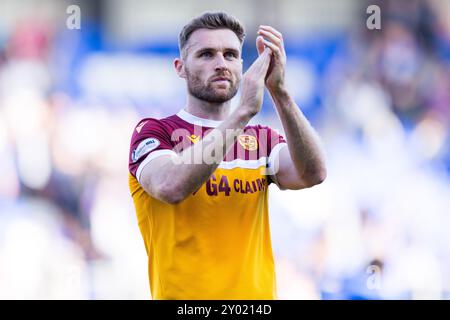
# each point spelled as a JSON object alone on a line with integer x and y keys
{"x": 208, "y": 93}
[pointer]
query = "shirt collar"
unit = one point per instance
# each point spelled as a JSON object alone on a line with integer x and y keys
{"x": 188, "y": 117}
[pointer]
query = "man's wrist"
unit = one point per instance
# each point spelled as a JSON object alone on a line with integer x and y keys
{"x": 243, "y": 115}
{"x": 279, "y": 92}
{"x": 281, "y": 98}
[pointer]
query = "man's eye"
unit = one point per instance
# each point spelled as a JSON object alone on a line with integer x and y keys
{"x": 206, "y": 54}
{"x": 230, "y": 54}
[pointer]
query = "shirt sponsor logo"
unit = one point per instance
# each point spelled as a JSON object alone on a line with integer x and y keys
{"x": 225, "y": 186}
{"x": 248, "y": 142}
{"x": 144, "y": 147}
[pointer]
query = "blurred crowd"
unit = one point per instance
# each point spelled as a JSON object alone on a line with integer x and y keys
{"x": 378, "y": 227}
{"x": 375, "y": 229}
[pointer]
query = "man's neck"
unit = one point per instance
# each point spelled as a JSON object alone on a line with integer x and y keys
{"x": 207, "y": 110}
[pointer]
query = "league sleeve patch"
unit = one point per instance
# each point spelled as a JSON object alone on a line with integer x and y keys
{"x": 144, "y": 147}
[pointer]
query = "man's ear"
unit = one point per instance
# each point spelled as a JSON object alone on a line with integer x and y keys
{"x": 179, "y": 67}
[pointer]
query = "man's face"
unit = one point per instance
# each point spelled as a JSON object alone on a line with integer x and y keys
{"x": 213, "y": 65}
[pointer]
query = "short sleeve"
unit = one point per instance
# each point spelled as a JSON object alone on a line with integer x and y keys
{"x": 150, "y": 140}
{"x": 276, "y": 143}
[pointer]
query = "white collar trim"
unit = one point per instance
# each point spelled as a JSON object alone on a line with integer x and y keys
{"x": 186, "y": 116}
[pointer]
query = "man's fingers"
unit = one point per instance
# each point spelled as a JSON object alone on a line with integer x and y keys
{"x": 272, "y": 30}
{"x": 273, "y": 47}
{"x": 271, "y": 37}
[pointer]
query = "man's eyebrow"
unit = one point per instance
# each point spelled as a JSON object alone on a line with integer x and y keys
{"x": 234, "y": 50}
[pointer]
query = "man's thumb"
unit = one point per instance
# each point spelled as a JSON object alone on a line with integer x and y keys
{"x": 260, "y": 44}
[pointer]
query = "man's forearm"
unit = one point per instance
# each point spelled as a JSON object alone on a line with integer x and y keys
{"x": 303, "y": 142}
{"x": 194, "y": 165}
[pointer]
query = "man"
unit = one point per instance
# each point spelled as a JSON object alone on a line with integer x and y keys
{"x": 199, "y": 179}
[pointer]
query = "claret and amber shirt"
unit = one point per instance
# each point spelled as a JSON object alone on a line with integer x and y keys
{"x": 216, "y": 243}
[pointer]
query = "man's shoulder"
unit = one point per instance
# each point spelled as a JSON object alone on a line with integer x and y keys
{"x": 165, "y": 124}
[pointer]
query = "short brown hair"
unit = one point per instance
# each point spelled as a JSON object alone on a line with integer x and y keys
{"x": 211, "y": 20}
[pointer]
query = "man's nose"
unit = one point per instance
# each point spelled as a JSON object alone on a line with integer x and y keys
{"x": 220, "y": 62}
